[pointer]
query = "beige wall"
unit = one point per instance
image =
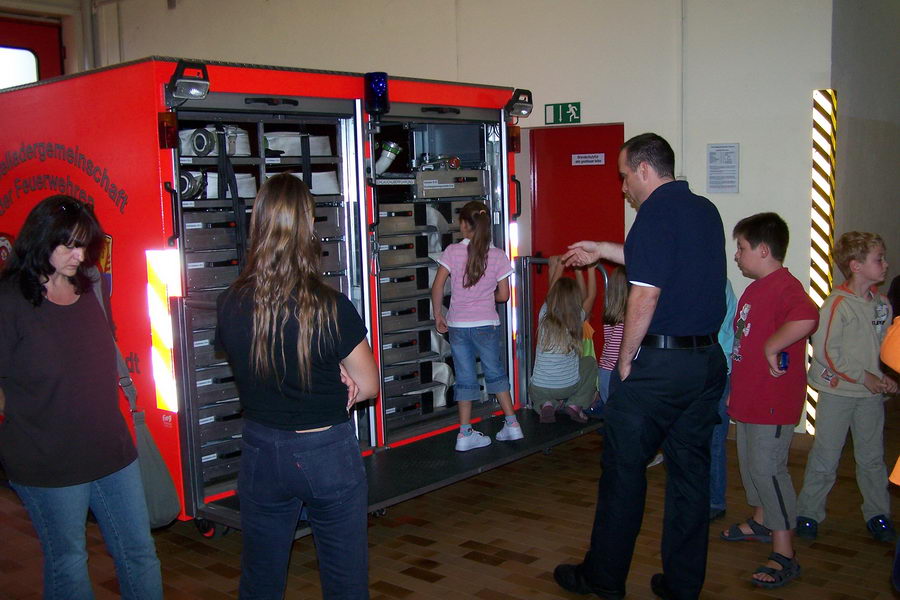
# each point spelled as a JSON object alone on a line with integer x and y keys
{"x": 866, "y": 75}
{"x": 747, "y": 68}
{"x": 750, "y": 70}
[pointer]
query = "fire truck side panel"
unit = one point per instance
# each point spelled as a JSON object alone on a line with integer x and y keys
{"x": 95, "y": 137}
{"x": 98, "y": 137}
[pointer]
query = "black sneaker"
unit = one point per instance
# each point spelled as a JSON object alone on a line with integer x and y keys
{"x": 571, "y": 579}
{"x": 807, "y": 528}
{"x": 881, "y": 529}
{"x": 658, "y": 585}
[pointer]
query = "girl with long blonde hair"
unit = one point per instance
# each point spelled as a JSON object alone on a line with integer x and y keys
{"x": 563, "y": 380}
{"x": 300, "y": 358}
{"x": 478, "y": 274}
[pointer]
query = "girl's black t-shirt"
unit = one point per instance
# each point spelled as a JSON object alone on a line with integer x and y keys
{"x": 58, "y": 372}
{"x": 280, "y": 400}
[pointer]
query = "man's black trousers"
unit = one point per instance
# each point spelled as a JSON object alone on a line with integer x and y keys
{"x": 668, "y": 401}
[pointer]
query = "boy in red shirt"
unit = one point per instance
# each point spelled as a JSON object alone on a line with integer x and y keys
{"x": 775, "y": 316}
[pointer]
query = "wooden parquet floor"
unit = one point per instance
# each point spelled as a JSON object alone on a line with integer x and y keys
{"x": 498, "y": 536}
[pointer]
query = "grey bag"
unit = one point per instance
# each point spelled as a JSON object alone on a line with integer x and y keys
{"x": 163, "y": 503}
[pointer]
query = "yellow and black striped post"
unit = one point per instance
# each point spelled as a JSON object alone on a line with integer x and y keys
{"x": 821, "y": 271}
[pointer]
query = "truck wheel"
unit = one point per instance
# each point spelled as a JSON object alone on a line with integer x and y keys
{"x": 211, "y": 530}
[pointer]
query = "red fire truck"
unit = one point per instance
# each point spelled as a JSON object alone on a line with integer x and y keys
{"x": 171, "y": 153}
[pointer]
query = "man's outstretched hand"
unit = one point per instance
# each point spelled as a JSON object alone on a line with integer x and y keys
{"x": 582, "y": 253}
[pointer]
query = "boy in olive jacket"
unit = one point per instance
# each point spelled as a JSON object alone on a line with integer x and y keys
{"x": 846, "y": 373}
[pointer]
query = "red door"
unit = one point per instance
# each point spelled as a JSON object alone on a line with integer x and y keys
{"x": 576, "y": 195}
{"x": 43, "y": 39}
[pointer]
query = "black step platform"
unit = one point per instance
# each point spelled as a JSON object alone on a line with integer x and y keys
{"x": 398, "y": 474}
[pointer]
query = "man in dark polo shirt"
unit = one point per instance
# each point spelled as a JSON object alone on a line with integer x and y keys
{"x": 669, "y": 378}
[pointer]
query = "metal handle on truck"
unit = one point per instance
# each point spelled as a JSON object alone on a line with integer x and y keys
{"x": 518, "y": 185}
{"x": 176, "y": 213}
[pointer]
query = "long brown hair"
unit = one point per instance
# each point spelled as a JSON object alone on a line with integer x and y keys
{"x": 282, "y": 271}
{"x": 616, "y": 297}
{"x": 478, "y": 218}
{"x": 560, "y": 329}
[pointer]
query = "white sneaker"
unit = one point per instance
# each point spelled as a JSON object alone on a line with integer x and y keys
{"x": 510, "y": 433}
{"x": 470, "y": 442}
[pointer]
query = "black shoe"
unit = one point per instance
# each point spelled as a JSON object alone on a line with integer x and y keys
{"x": 715, "y": 514}
{"x": 881, "y": 529}
{"x": 570, "y": 578}
{"x": 658, "y": 585}
{"x": 807, "y": 528}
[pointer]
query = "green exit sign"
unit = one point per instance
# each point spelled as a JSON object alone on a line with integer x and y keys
{"x": 565, "y": 112}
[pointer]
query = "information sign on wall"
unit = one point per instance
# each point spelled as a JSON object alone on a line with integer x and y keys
{"x": 723, "y": 168}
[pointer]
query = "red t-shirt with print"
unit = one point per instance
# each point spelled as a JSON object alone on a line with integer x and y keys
{"x": 756, "y": 396}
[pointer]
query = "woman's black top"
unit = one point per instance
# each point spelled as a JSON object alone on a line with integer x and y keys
{"x": 280, "y": 400}
{"x": 58, "y": 372}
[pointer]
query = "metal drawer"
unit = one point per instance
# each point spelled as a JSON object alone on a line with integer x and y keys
{"x": 333, "y": 259}
{"x": 220, "y": 421}
{"x": 401, "y": 218}
{"x": 411, "y": 345}
{"x": 204, "y": 353}
{"x": 406, "y": 314}
{"x": 209, "y": 230}
{"x": 403, "y": 250}
{"x": 215, "y": 268}
{"x": 400, "y": 379}
{"x": 329, "y": 220}
{"x": 450, "y": 183}
{"x": 215, "y": 384}
{"x": 202, "y": 319}
{"x": 402, "y": 283}
{"x": 412, "y": 407}
{"x": 221, "y": 459}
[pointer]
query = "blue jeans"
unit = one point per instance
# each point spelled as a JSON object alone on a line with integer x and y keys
{"x": 605, "y": 377}
{"x": 283, "y": 471}
{"x": 718, "y": 463}
{"x": 117, "y": 501}
{"x": 469, "y": 343}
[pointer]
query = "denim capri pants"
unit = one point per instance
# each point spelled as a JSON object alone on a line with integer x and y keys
{"x": 469, "y": 343}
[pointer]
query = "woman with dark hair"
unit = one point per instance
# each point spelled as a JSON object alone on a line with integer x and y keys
{"x": 64, "y": 443}
{"x": 292, "y": 342}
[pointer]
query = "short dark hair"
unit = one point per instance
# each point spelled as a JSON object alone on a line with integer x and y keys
{"x": 54, "y": 221}
{"x": 653, "y": 150}
{"x": 765, "y": 228}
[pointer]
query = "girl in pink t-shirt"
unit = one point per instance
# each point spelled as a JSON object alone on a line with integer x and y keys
{"x": 478, "y": 275}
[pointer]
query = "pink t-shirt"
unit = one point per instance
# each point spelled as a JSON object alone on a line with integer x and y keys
{"x": 473, "y": 306}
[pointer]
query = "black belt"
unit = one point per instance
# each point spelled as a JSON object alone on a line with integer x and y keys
{"x": 679, "y": 342}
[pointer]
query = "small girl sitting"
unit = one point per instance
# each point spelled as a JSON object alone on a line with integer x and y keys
{"x": 564, "y": 380}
